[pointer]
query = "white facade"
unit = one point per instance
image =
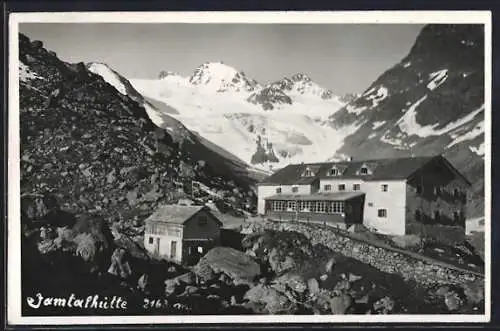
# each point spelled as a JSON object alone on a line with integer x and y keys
{"x": 391, "y": 198}
{"x": 265, "y": 191}
{"x": 161, "y": 242}
{"x": 393, "y": 201}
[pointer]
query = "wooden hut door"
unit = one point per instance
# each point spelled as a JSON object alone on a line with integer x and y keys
{"x": 173, "y": 249}
{"x": 157, "y": 246}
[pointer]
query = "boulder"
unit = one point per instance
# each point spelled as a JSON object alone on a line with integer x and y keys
{"x": 342, "y": 286}
{"x": 474, "y": 292}
{"x": 280, "y": 264}
{"x": 340, "y": 304}
{"x": 119, "y": 263}
{"x": 171, "y": 287}
{"x": 453, "y": 301}
{"x": 189, "y": 290}
{"x": 142, "y": 283}
{"x": 186, "y": 278}
{"x": 384, "y": 306}
{"x": 229, "y": 261}
{"x": 272, "y": 300}
{"x": 352, "y": 278}
{"x": 329, "y": 265}
{"x": 292, "y": 281}
{"x": 313, "y": 286}
{"x": 86, "y": 246}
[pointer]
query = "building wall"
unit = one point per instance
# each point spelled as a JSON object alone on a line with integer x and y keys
{"x": 393, "y": 201}
{"x": 306, "y": 216}
{"x": 202, "y": 225}
{"x": 430, "y": 200}
{"x": 264, "y": 191}
{"x": 162, "y": 237}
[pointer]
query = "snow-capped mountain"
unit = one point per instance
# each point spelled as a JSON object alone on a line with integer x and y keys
{"x": 267, "y": 125}
{"x": 431, "y": 102}
{"x": 298, "y": 88}
{"x": 218, "y": 77}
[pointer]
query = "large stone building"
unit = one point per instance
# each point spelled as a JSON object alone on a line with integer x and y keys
{"x": 393, "y": 196}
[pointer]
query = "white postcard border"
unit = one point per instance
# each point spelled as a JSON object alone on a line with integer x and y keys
{"x": 14, "y": 316}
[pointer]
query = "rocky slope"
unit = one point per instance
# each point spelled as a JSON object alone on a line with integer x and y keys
{"x": 93, "y": 146}
{"x": 431, "y": 102}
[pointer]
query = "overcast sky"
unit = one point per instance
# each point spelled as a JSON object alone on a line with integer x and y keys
{"x": 343, "y": 57}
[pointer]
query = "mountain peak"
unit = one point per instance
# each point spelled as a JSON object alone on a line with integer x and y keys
{"x": 299, "y": 77}
{"x": 221, "y": 77}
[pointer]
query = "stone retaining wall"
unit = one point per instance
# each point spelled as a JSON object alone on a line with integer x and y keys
{"x": 380, "y": 258}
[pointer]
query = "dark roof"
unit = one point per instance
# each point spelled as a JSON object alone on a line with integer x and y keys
{"x": 383, "y": 169}
{"x": 176, "y": 214}
{"x": 337, "y": 196}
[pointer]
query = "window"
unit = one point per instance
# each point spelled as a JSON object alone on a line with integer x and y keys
{"x": 456, "y": 193}
{"x": 313, "y": 207}
{"x": 335, "y": 207}
{"x": 456, "y": 217}
{"x": 295, "y": 189}
{"x": 370, "y": 204}
{"x": 155, "y": 228}
{"x": 363, "y": 170}
{"x": 418, "y": 189}
{"x": 437, "y": 190}
{"x": 328, "y": 187}
{"x": 418, "y": 215}
{"x": 278, "y": 190}
{"x": 150, "y": 240}
{"x": 356, "y": 187}
{"x": 334, "y": 172}
{"x": 321, "y": 207}
{"x": 291, "y": 206}
{"x": 382, "y": 213}
{"x": 308, "y": 173}
{"x": 278, "y": 206}
{"x": 305, "y": 206}
{"x": 385, "y": 187}
{"x": 437, "y": 215}
{"x": 341, "y": 187}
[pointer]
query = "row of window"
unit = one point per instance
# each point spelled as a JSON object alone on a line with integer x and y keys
{"x": 439, "y": 190}
{"x": 437, "y": 216}
{"x": 331, "y": 207}
{"x": 340, "y": 187}
{"x": 335, "y": 172}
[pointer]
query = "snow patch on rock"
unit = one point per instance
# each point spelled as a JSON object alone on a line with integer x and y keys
{"x": 355, "y": 110}
{"x": 471, "y": 134}
{"x": 377, "y": 124}
{"x": 437, "y": 79}
{"x": 110, "y": 76}
{"x": 26, "y": 74}
{"x": 381, "y": 94}
{"x": 478, "y": 150}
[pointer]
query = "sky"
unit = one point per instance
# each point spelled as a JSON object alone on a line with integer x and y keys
{"x": 345, "y": 58}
